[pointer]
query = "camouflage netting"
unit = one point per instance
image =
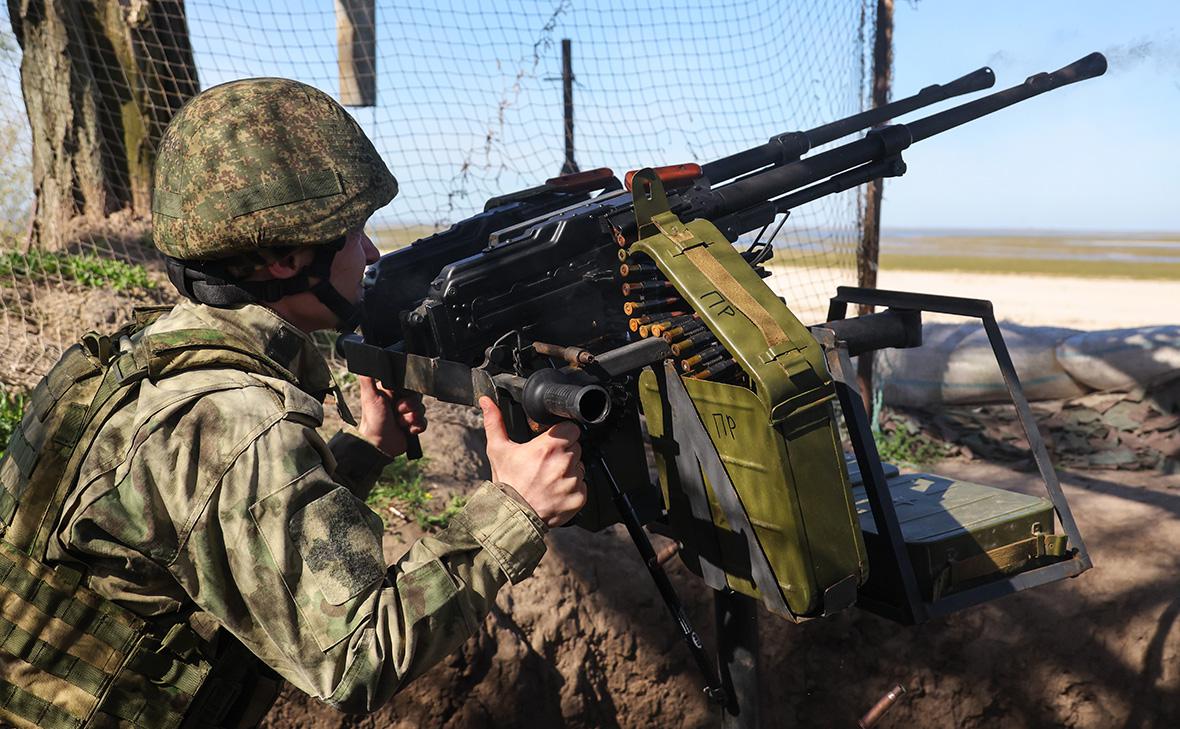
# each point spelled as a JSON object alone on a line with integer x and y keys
{"x": 462, "y": 103}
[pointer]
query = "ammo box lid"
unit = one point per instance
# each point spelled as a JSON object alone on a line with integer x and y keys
{"x": 935, "y": 508}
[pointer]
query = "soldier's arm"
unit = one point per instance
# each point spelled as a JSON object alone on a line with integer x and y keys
{"x": 290, "y": 561}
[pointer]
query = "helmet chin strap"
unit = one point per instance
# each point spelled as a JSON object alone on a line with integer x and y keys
{"x": 208, "y": 282}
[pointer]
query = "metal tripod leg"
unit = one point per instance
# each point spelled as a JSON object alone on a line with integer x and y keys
{"x": 737, "y": 657}
{"x": 630, "y": 519}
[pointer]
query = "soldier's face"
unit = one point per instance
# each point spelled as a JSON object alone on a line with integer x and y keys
{"x": 349, "y": 264}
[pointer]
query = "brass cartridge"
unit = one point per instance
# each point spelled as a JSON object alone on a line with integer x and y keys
{"x": 691, "y": 342}
{"x": 704, "y": 355}
{"x": 631, "y": 308}
{"x": 638, "y": 270}
{"x": 648, "y": 287}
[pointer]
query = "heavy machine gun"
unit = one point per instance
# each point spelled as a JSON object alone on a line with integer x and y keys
{"x": 565, "y": 304}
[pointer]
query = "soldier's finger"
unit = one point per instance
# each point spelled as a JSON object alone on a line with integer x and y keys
{"x": 368, "y": 386}
{"x": 493, "y": 423}
{"x": 566, "y": 431}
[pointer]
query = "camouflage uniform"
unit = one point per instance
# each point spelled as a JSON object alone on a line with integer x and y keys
{"x": 214, "y": 488}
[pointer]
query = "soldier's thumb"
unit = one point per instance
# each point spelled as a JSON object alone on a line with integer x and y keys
{"x": 493, "y": 422}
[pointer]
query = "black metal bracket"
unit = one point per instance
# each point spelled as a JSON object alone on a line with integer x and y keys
{"x": 868, "y": 460}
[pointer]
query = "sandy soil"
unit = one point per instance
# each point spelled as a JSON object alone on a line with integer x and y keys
{"x": 586, "y": 642}
{"x": 1080, "y": 303}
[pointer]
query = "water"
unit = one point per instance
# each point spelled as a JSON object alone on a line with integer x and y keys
{"x": 1101, "y": 246}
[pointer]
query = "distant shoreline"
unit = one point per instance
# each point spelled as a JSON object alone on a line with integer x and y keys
{"x": 1078, "y": 302}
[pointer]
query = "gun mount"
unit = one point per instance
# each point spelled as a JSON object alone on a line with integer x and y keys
{"x": 561, "y": 303}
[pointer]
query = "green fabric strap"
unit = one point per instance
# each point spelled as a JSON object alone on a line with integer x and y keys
{"x": 8, "y": 505}
{"x": 72, "y": 612}
{"x": 34, "y": 709}
{"x": 54, "y": 661}
{"x": 164, "y": 669}
{"x": 120, "y": 377}
{"x": 22, "y": 452}
{"x": 295, "y": 188}
{"x": 138, "y": 710}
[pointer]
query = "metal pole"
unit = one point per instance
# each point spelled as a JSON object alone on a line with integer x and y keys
{"x": 737, "y": 656}
{"x": 567, "y": 86}
{"x": 870, "y": 243}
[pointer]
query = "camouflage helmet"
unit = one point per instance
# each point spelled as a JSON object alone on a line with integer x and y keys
{"x": 263, "y": 162}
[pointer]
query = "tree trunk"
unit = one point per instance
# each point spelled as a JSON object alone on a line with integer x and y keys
{"x": 101, "y": 79}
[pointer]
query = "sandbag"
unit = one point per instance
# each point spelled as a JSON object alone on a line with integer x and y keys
{"x": 1122, "y": 359}
{"x": 955, "y": 366}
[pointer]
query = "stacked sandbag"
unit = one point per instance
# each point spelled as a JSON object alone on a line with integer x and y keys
{"x": 955, "y": 366}
{"x": 1122, "y": 359}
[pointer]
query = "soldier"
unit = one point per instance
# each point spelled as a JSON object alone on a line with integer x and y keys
{"x": 203, "y": 501}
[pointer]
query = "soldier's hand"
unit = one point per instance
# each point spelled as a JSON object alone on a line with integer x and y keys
{"x": 388, "y": 415}
{"x": 547, "y": 471}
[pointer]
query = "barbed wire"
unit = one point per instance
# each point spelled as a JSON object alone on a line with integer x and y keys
{"x": 463, "y": 112}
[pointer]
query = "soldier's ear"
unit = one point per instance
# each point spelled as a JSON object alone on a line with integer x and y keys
{"x": 289, "y": 265}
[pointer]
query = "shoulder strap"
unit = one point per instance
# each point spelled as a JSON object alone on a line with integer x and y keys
{"x": 67, "y": 410}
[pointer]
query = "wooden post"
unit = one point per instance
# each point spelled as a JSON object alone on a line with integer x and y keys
{"x": 870, "y": 243}
{"x": 356, "y": 44}
{"x": 567, "y": 89}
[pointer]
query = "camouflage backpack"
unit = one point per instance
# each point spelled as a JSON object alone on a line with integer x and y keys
{"x": 72, "y": 658}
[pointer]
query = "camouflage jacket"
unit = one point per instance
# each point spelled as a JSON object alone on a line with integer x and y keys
{"x": 214, "y": 489}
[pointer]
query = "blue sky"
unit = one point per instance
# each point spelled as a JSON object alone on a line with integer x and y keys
{"x": 1100, "y": 155}
{"x": 468, "y": 108}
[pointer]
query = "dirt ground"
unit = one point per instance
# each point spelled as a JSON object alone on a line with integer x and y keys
{"x": 586, "y": 642}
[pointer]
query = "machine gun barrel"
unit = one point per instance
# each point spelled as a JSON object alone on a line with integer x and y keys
{"x": 882, "y": 143}
{"x": 790, "y": 146}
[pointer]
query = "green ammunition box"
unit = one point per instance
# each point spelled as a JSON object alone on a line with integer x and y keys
{"x": 782, "y": 527}
{"x": 792, "y": 484}
{"x": 959, "y": 534}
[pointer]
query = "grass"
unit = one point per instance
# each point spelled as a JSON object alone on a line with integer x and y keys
{"x": 901, "y": 440}
{"x": 12, "y": 406}
{"x": 1043, "y": 255}
{"x": 86, "y": 269}
{"x": 1038, "y": 266}
{"x": 400, "y": 487}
